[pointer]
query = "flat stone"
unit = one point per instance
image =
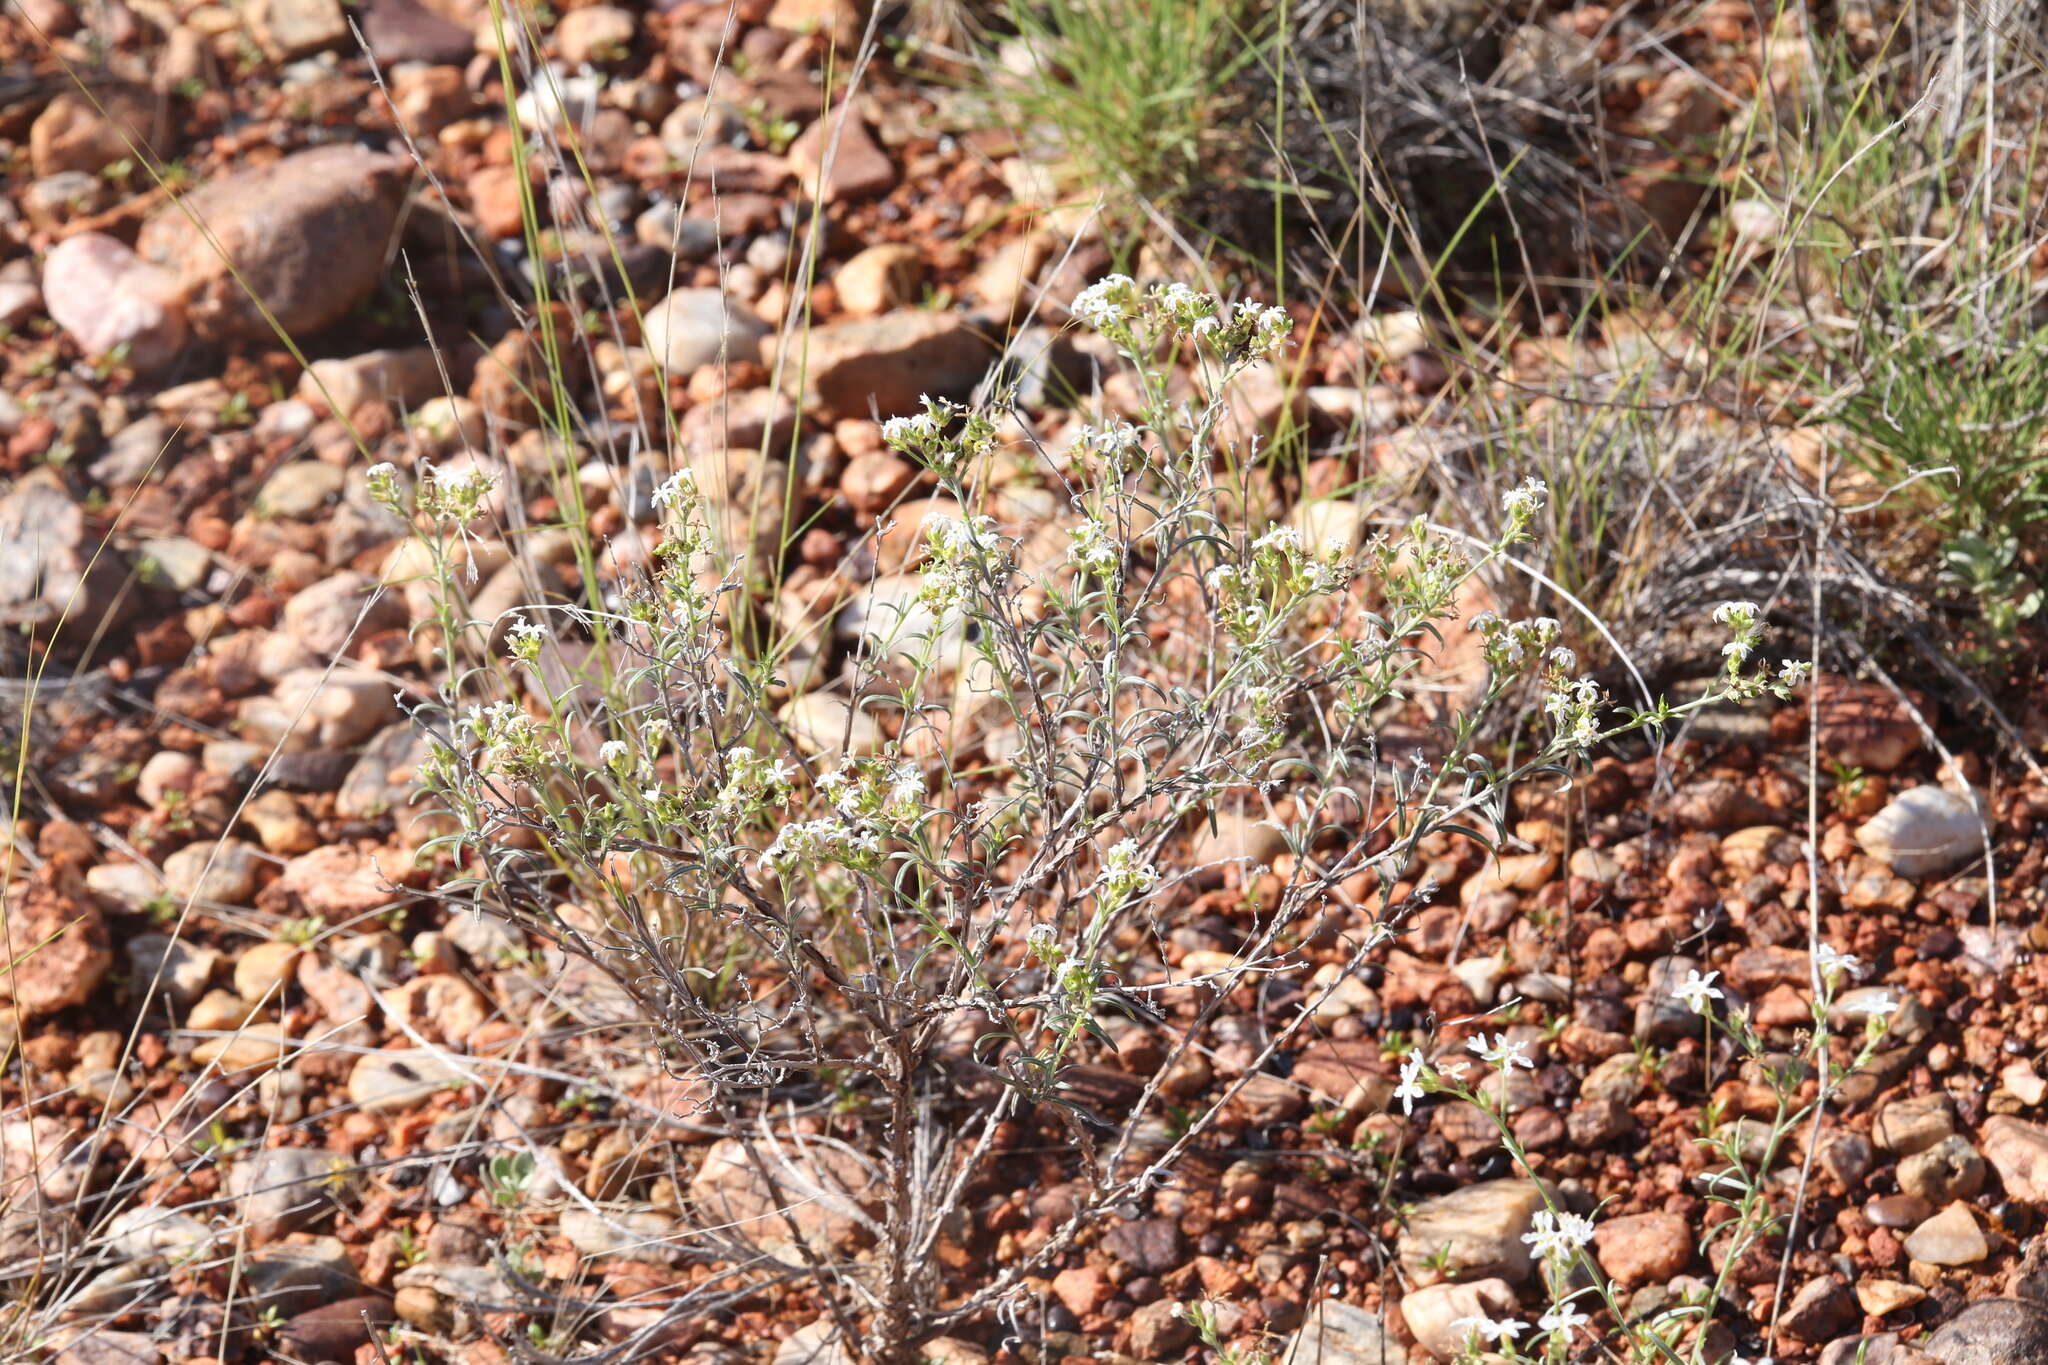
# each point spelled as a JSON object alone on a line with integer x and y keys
{"x": 887, "y": 364}
{"x": 1473, "y": 1233}
{"x": 2018, "y": 1151}
{"x": 382, "y": 1081}
{"x": 1923, "y": 831}
{"x": 1951, "y": 1237}
{"x": 1336, "y": 1333}
{"x": 1993, "y": 1332}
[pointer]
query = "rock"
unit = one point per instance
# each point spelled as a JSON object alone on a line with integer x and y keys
{"x": 253, "y": 1047}
{"x": 1246, "y": 838}
{"x": 403, "y": 31}
{"x": 1881, "y": 1298}
{"x": 815, "y": 1343}
{"x": 2018, "y": 1151}
{"x": 884, "y": 366}
{"x": 145, "y": 1231}
{"x": 443, "y": 1009}
{"x": 1914, "y": 1124}
{"x": 824, "y": 725}
{"x": 1863, "y": 725}
{"x": 263, "y": 971}
{"x": 299, "y": 1273}
{"x": 382, "y": 1081}
{"x": 746, "y": 1188}
{"x": 1951, "y": 1237}
{"x": 1661, "y": 1015}
{"x": 595, "y": 34}
{"x": 880, "y": 278}
{"x": 307, "y": 233}
{"x": 1924, "y": 830}
{"x": 314, "y": 713}
{"x": 1643, "y": 1248}
{"x": 642, "y": 1234}
{"x": 71, "y": 134}
{"x": 403, "y": 378}
{"x": 837, "y": 160}
{"x": 289, "y": 29}
{"x": 1149, "y": 1246}
{"x": 1949, "y": 1170}
{"x": 1715, "y": 803}
{"x": 694, "y": 327}
{"x": 1160, "y": 1329}
{"x": 1083, "y": 1289}
{"x": 174, "y": 562}
{"x": 335, "y": 883}
{"x": 876, "y": 481}
{"x": 1337, "y": 1333}
{"x": 216, "y": 871}
{"x": 342, "y": 607}
{"x": 54, "y": 573}
{"x": 1437, "y": 1313}
{"x": 42, "y": 1162}
{"x": 281, "y": 1189}
{"x": 280, "y": 826}
{"x": 181, "y": 970}
{"x": 331, "y": 1333}
{"x": 1820, "y": 1309}
{"x": 63, "y": 951}
{"x": 101, "y": 1345}
{"x": 1473, "y": 1233}
{"x": 1993, "y": 1332}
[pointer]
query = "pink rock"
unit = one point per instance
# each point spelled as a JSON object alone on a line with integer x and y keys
{"x": 107, "y": 296}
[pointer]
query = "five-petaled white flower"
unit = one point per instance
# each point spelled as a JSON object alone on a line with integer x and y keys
{"x": 1832, "y": 963}
{"x": 1501, "y": 1052}
{"x": 1411, "y": 1089}
{"x": 1698, "y": 990}
{"x": 1562, "y": 1319}
{"x": 1558, "y": 1234}
{"x": 1525, "y": 500}
{"x": 1493, "y": 1329}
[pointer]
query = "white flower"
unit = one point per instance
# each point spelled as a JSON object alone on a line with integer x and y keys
{"x": 1698, "y": 990}
{"x": 1501, "y": 1053}
{"x": 1094, "y": 550}
{"x": 1493, "y": 1329}
{"x": 1410, "y": 1089}
{"x": 613, "y": 753}
{"x": 1562, "y": 1319}
{"x": 1831, "y": 964}
{"x": 1102, "y": 304}
{"x": 1794, "y": 673}
{"x": 1524, "y": 501}
{"x": 1883, "y": 1007}
{"x": 1123, "y": 870}
{"x": 1734, "y": 613}
{"x": 1558, "y": 1234}
{"x": 677, "y": 489}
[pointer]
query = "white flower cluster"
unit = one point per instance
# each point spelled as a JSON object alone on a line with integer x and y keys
{"x": 524, "y": 639}
{"x": 1511, "y": 646}
{"x": 508, "y": 740}
{"x": 1094, "y": 550}
{"x": 1118, "y": 444}
{"x": 1279, "y": 552}
{"x": 1125, "y": 872}
{"x": 1524, "y": 502}
{"x": 946, "y": 437}
{"x": 1114, "y": 305}
{"x": 753, "y": 784}
{"x": 1746, "y": 630}
{"x": 826, "y": 840}
{"x": 958, "y": 553}
{"x": 454, "y": 497}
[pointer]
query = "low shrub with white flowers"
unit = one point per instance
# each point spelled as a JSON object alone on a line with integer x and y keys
{"x": 903, "y": 908}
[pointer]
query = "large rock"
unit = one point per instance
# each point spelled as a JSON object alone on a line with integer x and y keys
{"x": 693, "y": 327}
{"x": 2018, "y": 1151}
{"x": 1993, "y": 1332}
{"x": 109, "y": 299}
{"x": 1472, "y": 1234}
{"x": 1437, "y": 1314}
{"x": 54, "y": 570}
{"x": 59, "y": 948}
{"x": 288, "y": 29}
{"x": 1924, "y": 831}
{"x": 1342, "y": 1334}
{"x": 888, "y": 363}
{"x": 281, "y": 1189}
{"x": 307, "y": 234}
{"x": 72, "y": 134}
{"x": 1643, "y": 1248}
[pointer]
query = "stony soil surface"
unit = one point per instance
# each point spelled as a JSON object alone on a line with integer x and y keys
{"x": 269, "y": 1133}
